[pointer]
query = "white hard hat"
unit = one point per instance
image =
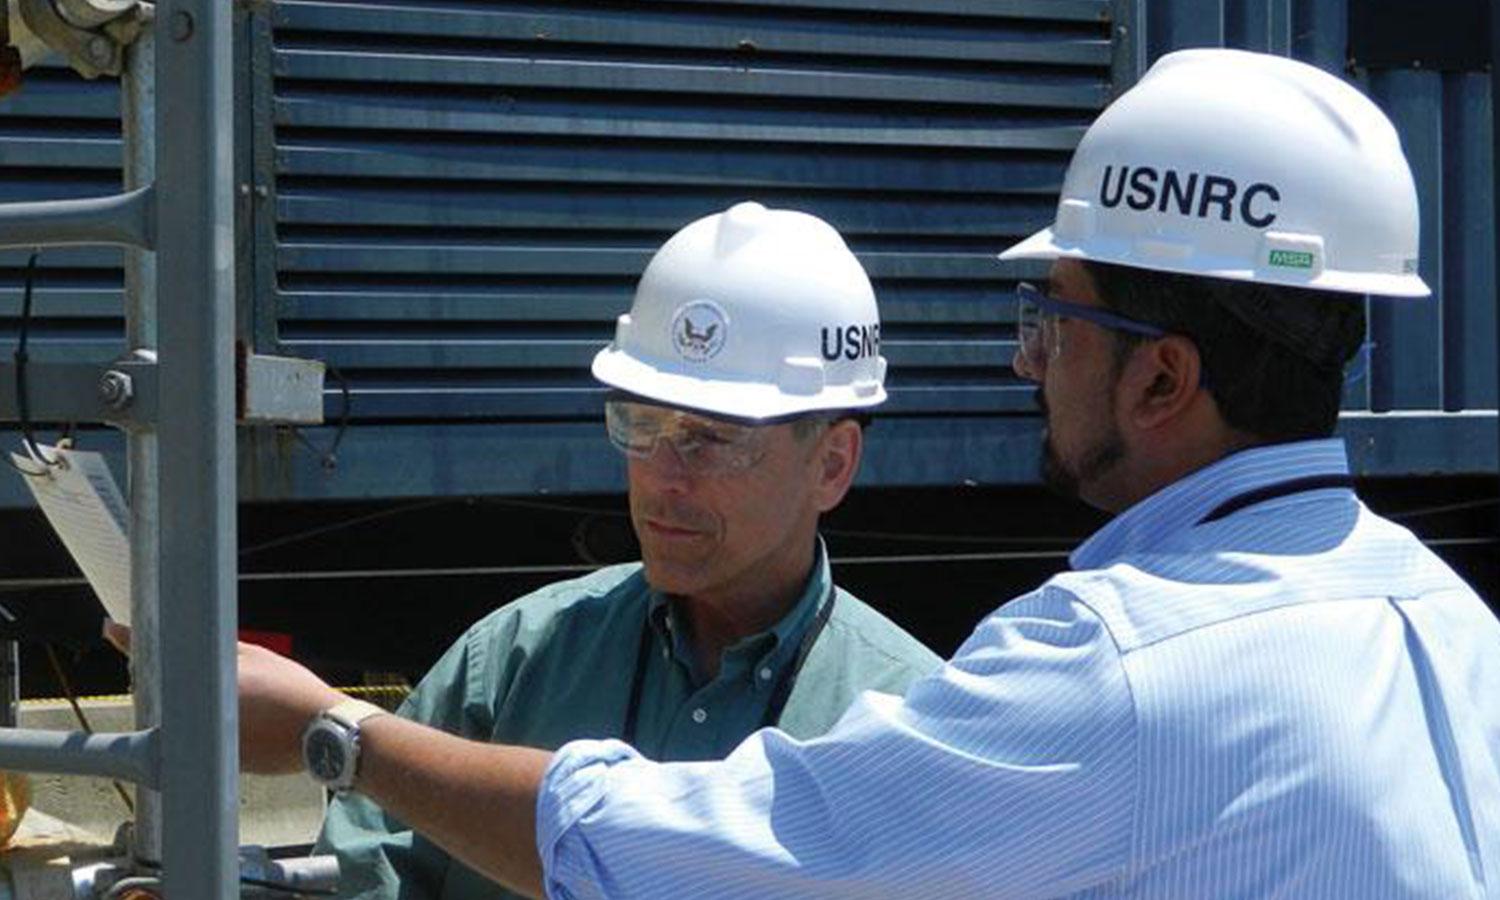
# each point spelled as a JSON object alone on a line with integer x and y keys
{"x": 1244, "y": 166}
{"x": 754, "y": 313}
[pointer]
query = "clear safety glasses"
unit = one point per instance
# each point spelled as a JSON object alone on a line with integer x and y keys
{"x": 1039, "y": 316}
{"x": 706, "y": 445}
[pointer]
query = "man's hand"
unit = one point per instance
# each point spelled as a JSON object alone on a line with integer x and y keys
{"x": 475, "y": 800}
{"x": 278, "y": 697}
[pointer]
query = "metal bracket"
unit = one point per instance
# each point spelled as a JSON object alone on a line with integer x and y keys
{"x": 270, "y": 390}
{"x": 29, "y": 48}
{"x": 122, "y": 393}
{"x": 90, "y": 34}
{"x": 279, "y": 390}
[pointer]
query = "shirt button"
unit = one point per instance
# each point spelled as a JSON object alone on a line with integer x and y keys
{"x": 765, "y": 673}
{"x": 700, "y": 715}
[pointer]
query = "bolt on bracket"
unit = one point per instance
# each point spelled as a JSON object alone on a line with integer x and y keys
{"x": 90, "y": 35}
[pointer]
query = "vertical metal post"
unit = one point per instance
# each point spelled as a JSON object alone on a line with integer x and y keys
{"x": 138, "y": 105}
{"x": 196, "y": 453}
{"x": 1129, "y": 42}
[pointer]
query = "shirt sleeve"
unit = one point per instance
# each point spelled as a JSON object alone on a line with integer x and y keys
{"x": 379, "y": 855}
{"x": 1009, "y": 772}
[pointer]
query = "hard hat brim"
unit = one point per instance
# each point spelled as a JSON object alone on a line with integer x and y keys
{"x": 1044, "y": 245}
{"x": 736, "y": 399}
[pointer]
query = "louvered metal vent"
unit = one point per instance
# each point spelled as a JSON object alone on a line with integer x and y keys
{"x": 60, "y": 139}
{"x": 451, "y": 200}
{"x": 466, "y": 192}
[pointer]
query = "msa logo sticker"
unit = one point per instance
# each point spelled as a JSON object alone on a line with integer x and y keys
{"x": 698, "y": 330}
{"x": 1189, "y": 194}
{"x": 851, "y": 342}
{"x": 1291, "y": 259}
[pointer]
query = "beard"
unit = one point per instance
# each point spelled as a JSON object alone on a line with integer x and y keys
{"x": 1103, "y": 454}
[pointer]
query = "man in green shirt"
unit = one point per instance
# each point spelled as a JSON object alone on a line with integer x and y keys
{"x": 740, "y": 376}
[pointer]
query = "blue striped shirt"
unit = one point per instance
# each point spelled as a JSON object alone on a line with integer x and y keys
{"x": 1296, "y": 700}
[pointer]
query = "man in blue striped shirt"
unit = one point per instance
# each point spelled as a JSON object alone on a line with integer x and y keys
{"x": 1248, "y": 686}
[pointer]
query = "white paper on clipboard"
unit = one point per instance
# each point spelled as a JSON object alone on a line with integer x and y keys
{"x": 84, "y": 506}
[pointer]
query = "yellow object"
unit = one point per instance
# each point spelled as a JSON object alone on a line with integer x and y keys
{"x": 15, "y": 799}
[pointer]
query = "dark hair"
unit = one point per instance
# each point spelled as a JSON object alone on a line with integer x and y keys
{"x": 1273, "y": 356}
{"x": 805, "y": 426}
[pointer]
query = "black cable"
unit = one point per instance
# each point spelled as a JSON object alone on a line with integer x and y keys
{"x": 366, "y": 518}
{"x": 338, "y": 436}
{"x": 155, "y": 866}
{"x": 1438, "y": 510}
{"x": 23, "y": 406}
{"x": 946, "y": 539}
{"x": 329, "y": 458}
{"x": 297, "y": 536}
{"x": 614, "y": 512}
{"x": 66, "y": 684}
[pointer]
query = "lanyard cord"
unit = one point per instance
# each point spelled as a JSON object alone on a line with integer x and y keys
{"x": 784, "y": 685}
{"x": 1278, "y": 489}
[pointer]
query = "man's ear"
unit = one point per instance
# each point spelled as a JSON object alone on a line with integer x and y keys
{"x": 1161, "y": 380}
{"x": 836, "y": 461}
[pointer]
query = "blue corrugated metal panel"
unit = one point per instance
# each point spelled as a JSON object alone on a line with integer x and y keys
{"x": 461, "y": 197}
{"x": 465, "y": 196}
{"x": 1401, "y": 378}
{"x": 1431, "y": 356}
{"x": 1468, "y": 273}
{"x": 1316, "y": 31}
{"x": 456, "y": 458}
{"x": 60, "y": 139}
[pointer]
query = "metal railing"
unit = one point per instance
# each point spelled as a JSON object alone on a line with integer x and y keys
{"x": 175, "y": 218}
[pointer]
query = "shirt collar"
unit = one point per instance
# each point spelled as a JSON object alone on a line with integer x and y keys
{"x": 774, "y": 647}
{"x": 1183, "y": 503}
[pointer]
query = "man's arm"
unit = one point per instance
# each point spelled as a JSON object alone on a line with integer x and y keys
{"x": 381, "y": 855}
{"x": 476, "y": 800}
{"x": 1010, "y": 772}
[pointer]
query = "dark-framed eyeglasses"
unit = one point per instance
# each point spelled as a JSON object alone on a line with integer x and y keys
{"x": 1038, "y": 317}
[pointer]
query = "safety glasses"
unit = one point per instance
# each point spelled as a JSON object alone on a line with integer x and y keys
{"x": 1039, "y": 316}
{"x": 706, "y": 445}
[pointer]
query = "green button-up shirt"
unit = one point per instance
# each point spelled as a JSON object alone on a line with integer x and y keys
{"x": 558, "y": 664}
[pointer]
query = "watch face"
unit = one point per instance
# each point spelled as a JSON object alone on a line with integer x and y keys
{"x": 325, "y": 755}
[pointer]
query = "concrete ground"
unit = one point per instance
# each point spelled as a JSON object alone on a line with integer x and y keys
{"x": 274, "y": 811}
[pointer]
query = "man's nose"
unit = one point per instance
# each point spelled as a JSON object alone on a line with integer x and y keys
{"x": 665, "y": 464}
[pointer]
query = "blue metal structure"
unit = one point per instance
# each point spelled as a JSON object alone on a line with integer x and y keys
{"x": 450, "y": 205}
{"x": 1436, "y": 356}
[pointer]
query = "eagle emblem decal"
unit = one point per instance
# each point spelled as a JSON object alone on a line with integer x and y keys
{"x": 699, "y": 330}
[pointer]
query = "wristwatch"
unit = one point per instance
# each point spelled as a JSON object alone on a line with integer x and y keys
{"x": 330, "y": 743}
